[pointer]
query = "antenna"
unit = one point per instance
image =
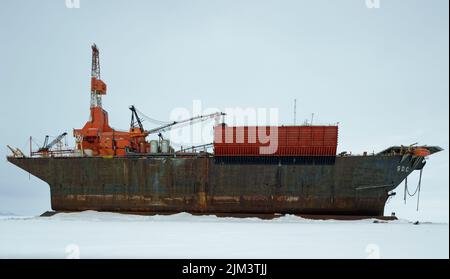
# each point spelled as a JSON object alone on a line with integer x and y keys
{"x": 312, "y": 118}
{"x": 295, "y": 112}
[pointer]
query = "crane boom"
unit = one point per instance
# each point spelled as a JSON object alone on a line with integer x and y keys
{"x": 16, "y": 152}
{"x": 192, "y": 119}
{"x": 56, "y": 140}
{"x": 135, "y": 118}
{"x": 47, "y": 147}
{"x": 45, "y": 141}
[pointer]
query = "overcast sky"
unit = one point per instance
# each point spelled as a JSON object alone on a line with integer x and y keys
{"x": 381, "y": 73}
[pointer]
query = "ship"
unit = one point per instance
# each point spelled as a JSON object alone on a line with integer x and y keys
{"x": 302, "y": 174}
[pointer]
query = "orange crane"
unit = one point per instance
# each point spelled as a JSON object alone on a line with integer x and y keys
{"x": 97, "y": 138}
{"x": 136, "y": 120}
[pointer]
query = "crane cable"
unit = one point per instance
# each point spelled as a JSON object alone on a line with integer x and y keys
{"x": 416, "y": 192}
{"x": 179, "y": 125}
{"x": 151, "y": 120}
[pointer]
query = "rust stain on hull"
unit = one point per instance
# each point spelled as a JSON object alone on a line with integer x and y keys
{"x": 200, "y": 185}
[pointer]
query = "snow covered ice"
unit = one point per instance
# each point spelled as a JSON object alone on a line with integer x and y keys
{"x": 93, "y": 234}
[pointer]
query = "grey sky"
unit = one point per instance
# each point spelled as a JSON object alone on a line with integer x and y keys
{"x": 381, "y": 73}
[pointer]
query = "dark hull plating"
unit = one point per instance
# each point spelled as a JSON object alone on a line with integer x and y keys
{"x": 353, "y": 185}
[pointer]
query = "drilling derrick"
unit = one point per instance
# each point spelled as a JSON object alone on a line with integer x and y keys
{"x": 98, "y": 87}
{"x": 97, "y": 137}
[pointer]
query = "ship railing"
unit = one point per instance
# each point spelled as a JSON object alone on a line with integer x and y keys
{"x": 348, "y": 154}
{"x": 54, "y": 153}
{"x": 195, "y": 149}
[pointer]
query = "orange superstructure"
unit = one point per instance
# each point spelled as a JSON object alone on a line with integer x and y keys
{"x": 97, "y": 138}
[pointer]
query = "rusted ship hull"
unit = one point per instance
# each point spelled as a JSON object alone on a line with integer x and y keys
{"x": 350, "y": 185}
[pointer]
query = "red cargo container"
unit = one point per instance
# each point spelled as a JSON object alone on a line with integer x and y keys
{"x": 282, "y": 140}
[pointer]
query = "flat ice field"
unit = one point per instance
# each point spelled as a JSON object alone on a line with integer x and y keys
{"x": 109, "y": 235}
